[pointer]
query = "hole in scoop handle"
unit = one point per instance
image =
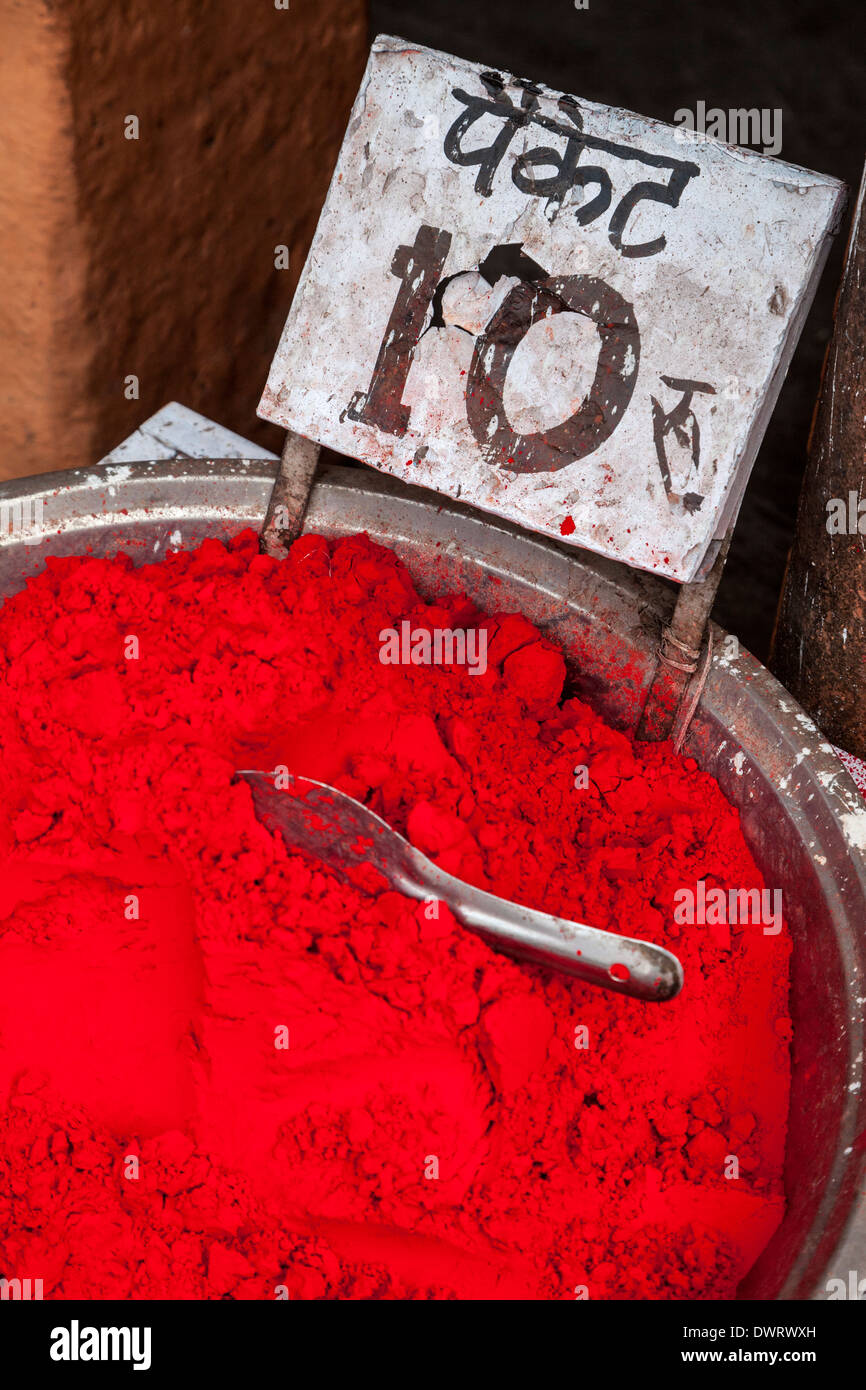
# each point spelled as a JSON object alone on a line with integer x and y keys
{"x": 618, "y": 963}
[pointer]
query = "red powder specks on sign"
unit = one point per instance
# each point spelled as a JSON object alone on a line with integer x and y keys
{"x": 567, "y": 528}
{"x": 227, "y": 1073}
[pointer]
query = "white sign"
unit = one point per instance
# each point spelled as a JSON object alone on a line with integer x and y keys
{"x": 559, "y": 312}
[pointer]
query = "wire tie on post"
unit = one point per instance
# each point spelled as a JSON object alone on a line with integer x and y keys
{"x": 694, "y": 697}
{"x": 691, "y": 653}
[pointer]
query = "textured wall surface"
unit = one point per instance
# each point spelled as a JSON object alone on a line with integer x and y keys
{"x": 154, "y": 257}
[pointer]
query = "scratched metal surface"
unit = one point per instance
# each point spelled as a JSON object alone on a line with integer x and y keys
{"x": 686, "y": 270}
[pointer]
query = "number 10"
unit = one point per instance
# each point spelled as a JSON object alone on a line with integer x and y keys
{"x": 419, "y": 269}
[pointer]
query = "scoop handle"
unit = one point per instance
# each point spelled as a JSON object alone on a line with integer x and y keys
{"x": 618, "y": 963}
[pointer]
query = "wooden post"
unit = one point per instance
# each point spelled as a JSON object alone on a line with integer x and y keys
{"x": 679, "y": 653}
{"x": 819, "y": 646}
{"x": 288, "y": 502}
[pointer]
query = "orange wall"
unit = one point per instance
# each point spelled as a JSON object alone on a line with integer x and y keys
{"x": 155, "y": 257}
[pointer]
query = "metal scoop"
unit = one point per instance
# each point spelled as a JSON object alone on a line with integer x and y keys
{"x": 341, "y": 832}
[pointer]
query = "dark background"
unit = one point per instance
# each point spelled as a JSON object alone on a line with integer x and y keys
{"x": 805, "y": 57}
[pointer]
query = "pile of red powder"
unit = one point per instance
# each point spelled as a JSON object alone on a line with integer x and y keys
{"x": 226, "y": 1073}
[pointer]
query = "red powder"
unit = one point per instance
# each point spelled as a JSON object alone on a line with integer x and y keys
{"x": 226, "y": 1073}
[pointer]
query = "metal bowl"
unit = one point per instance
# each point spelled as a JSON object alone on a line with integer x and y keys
{"x": 801, "y": 813}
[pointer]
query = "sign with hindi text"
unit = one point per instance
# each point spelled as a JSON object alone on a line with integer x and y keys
{"x": 558, "y": 312}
